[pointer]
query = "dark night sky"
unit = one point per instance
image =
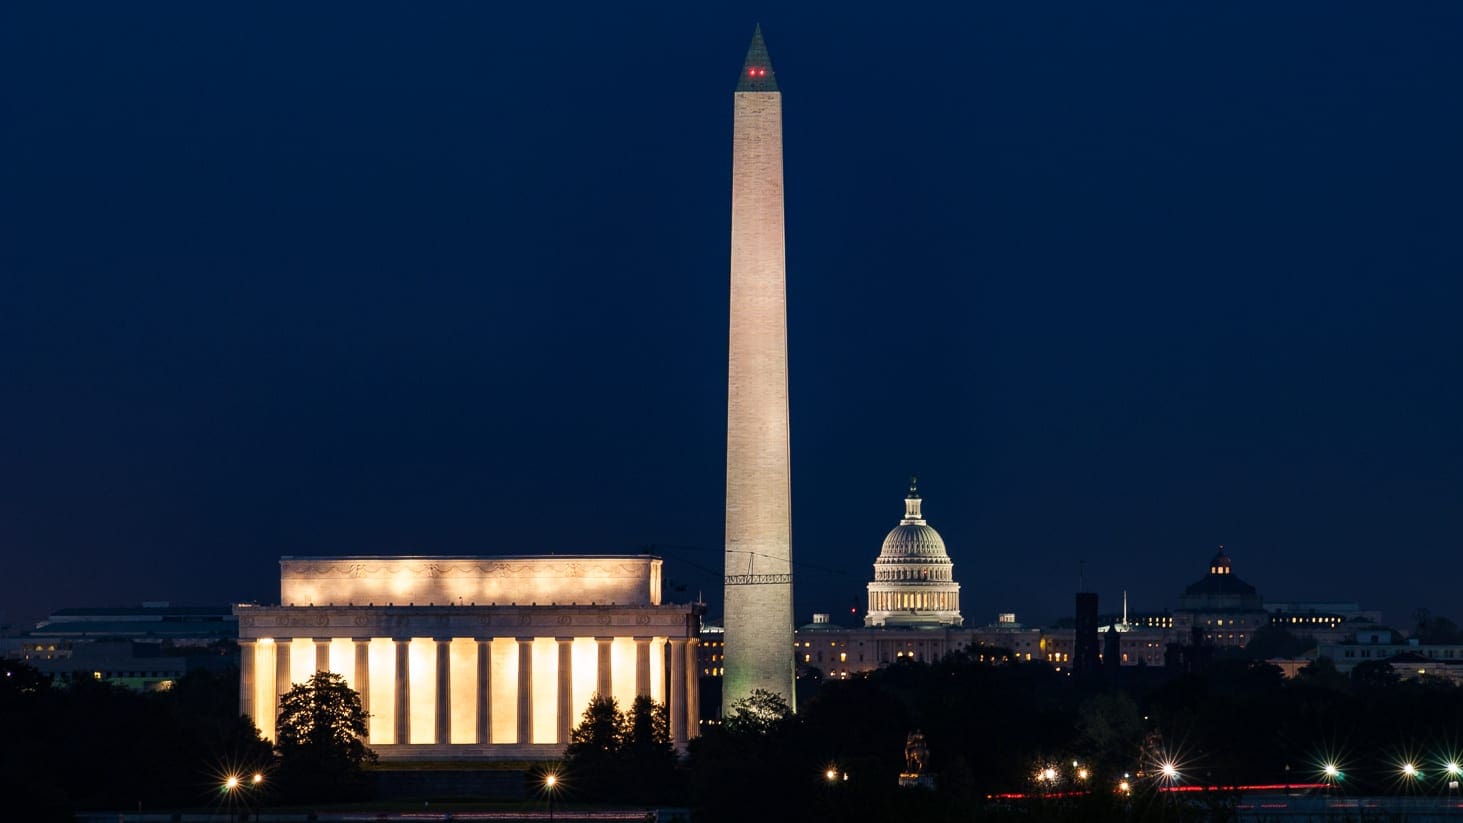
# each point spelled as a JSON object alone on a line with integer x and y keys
{"x": 1120, "y": 282}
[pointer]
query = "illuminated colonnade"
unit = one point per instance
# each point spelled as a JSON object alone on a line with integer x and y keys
{"x": 462, "y": 681}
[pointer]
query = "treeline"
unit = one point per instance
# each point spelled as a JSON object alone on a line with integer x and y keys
{"x": 992, "y": 729}
{"x": 91, "y": 744}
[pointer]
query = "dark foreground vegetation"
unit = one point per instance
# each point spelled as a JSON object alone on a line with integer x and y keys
{"x": 992, "y": 726}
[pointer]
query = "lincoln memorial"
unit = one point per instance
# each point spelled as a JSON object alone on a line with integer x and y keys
{"x": 473, "y": 657}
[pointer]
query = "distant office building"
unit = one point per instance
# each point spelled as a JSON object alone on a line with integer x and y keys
{"x": 1408, "y": 656}
{"x": 143, "y": 647}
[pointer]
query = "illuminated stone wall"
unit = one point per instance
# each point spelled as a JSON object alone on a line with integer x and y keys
{"x": 759, "y": 616}
{"x": 476, "y": 681}
{"x": 627, "y": 580}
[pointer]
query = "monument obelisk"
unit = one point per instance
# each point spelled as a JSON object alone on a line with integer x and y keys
{"x": 759, "y": 618}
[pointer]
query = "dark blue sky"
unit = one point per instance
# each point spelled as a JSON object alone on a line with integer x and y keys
{"x": 1119, "y": 282}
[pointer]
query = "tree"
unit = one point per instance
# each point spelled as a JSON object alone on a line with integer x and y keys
{"x": 648, "y": 730}
{"x": 1432, "y": 629}
{"x": 320, "y": 740}
{"x": 1374, "y": 674}
{"x": 649, "y": 756}
{"x": 600, "y": 731}
{"x": 1273, "y": 641}
{"x": 1109, "y": 729}
{"x": 1321, "y": 673}
{"x": 759, "y": 714}
{"x": 613, "y": 755}
{"x": 592, "y": 759}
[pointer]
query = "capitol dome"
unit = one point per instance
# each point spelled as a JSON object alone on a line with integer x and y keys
{"x": 914, "y": 583}
{"x": 913, "y": 540}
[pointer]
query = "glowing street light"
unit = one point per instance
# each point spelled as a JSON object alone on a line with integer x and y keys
{"x": 232, "y": 783}
{"x": 1049, "y": 774}
{"x": 831, "y": 774}
{"x": 551, "y": 781}
{"x": 1083, "y": 774}
{"x": 1169, "y": 770}
{"x": 1453, "y": 768}
{"x": 258, "y": 778}
{"x": 1409, "y": 770}
{"x": 1331, "y": 772}
{"x": 1125, "y": 787}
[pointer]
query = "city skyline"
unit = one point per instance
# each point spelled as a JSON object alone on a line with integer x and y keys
{"x": 344, "y": 285}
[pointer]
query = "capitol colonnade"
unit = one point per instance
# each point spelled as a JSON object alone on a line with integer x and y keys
{"x": 471, "y": 680}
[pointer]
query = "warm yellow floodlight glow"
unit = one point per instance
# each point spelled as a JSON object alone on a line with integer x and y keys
{"x": 550, "y": 780}
{"x": 1125, "y": 787}
{"x": 831, "y": 774}
{"x": 258, "y": 778}
{"x": 421, "y": 654}
{"x": 232, "y": 783}
{"x": 1049, "y": 774}
{"x": 381, "y": 672}
{"x": 463, "y": 697}
{"x": 1082, "y": 774}
{"x": 1169, "y": 770}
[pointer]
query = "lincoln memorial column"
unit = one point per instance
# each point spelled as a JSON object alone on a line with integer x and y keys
{"x": 322, "y": 654}
{"x": 525, "y": 690}
{"x": 604, "y": 679}
{"x": 642, "y": 667}
{"x": 281, "y": 670}
{"x": 363, "y": 671}
{"x": 485, "y": 692}
{"x": 403, "y": 690}
{"x": 246, "y": 678}
{"x": 693, "y": 690}
{"x": 444, "y": 690}
{"x": 677, "y": 702}
{"x": 566, "y": 688}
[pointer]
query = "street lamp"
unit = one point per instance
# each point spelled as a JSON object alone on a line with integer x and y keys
{"x": 230, "y": 789}
{"x": 551, "y": 781}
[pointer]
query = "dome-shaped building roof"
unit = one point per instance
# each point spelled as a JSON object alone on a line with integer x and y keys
{"x": 914, "y": 580}
{"x": 1220, "y": 589}
{"x": 913, "y": 540}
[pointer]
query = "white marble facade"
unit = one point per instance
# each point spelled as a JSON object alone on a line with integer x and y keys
{"x": 473, "y": 657}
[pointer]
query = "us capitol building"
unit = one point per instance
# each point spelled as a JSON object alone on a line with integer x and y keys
{"x": 913, "y": 612}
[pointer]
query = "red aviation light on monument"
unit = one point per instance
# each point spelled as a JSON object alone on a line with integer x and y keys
{"x": 757, "y": 73}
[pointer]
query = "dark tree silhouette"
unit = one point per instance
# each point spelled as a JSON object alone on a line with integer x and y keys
{"x": 320, "y": 740}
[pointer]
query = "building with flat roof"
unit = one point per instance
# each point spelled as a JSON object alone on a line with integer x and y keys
{"x": 144, "y": 647}
{"x": 473, "y": 657}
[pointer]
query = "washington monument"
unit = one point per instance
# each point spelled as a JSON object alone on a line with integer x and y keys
{"x": 759, "y": 618}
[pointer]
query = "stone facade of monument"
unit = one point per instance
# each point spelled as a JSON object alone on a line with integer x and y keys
{"x": 473, "y": 657}
{"x": 758, "y": 584}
